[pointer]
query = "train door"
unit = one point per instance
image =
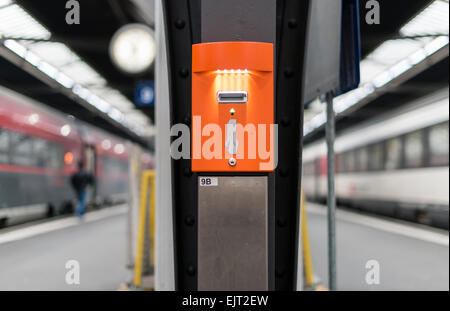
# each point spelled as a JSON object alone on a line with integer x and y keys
{"x": 90, "y": 157}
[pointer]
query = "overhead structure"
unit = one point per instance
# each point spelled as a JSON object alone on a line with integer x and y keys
{"x": 29, "y": 44}
{"x": 413, "y": 48}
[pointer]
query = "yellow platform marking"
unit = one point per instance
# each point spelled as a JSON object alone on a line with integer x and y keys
{"x": 148, "y": 183}
{"x": 307, "y": 261}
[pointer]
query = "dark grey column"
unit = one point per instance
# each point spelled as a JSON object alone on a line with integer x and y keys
{"x": 238, "y": 20}
{"x": 235, "y": 217}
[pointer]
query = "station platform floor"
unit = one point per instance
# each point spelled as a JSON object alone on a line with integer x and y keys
{"x": 34, "y": 257}
{"x": 411, "y": 257}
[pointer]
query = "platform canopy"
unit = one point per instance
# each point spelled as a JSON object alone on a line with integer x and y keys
{"x": 404, "y": 57}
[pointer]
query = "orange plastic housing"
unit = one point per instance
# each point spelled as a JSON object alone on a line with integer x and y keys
{"x": 232, "y": 66}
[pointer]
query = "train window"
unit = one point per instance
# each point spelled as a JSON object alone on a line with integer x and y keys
{"x": 337, "y": 158}
{"x": 350, "y": 163}
{"x": 341, "y": 163}
{"x": 55, "y": 155}
{"x": 308, "y": 169}
{"x": 4, "y": 146}
{"x": 40, "y": 151}
{"x": 362, "y": 156}
{"x": 21, "y": 149}
{"x": 438, "y": 138}
{"x": 393, "y": 153}
{"x": 414, "y": 149}
{"x": 114, "y": 166}
{"x": 376, "y": 160}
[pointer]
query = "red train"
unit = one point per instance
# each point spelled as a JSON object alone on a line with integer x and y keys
{"x": 39, "y": 151}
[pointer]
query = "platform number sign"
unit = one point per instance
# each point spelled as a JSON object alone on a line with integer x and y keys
{"x": 208, "y": 181}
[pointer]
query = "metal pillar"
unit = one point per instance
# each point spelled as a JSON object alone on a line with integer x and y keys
{"x": 164, "y": 237}
{"x": 188, "y": 23}
{"x": 331, "y": 199}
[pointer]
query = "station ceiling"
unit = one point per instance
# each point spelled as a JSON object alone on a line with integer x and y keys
{"x": 100, "y": 19}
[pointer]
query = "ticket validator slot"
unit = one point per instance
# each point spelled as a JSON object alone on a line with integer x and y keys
{"x": 225, "y": 97}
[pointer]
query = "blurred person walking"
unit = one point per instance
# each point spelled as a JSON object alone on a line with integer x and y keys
{"x": 80, "y": 182}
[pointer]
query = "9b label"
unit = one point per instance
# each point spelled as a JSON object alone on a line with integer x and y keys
{"x": 208, "y": 181}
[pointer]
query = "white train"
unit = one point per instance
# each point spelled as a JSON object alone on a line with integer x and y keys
{"x": 395, "y": 165}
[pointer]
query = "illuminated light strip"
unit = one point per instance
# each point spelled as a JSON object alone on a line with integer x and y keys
{"x": 5, "y": 3}
{"x": 232, "y": 71}
{"x": 433, "y": 19}
{"x": 16, "y": 22}
{"x": 37, "y": 62}
{"x": 62, "y": 79}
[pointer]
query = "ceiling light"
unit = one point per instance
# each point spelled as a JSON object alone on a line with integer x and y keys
{"x": 65, "y": 130}
{"x": 432, "y": 20}
{"x": 16, "y": 22}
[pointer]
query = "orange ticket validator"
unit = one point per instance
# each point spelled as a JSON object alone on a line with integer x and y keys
{"x": 232, "y": 107}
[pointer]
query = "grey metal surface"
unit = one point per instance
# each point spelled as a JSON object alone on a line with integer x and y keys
{"x": 331, "y": 196}
{"x": 164, "y": 244}
{"x": 237, "y": 20}
{"x": 232, "y": 234}
{"x": 323, "y": 48}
